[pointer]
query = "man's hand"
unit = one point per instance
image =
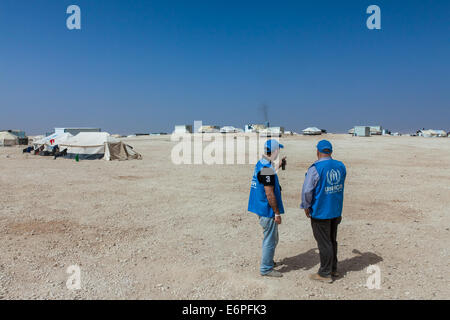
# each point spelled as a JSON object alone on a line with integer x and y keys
{"x": 278, "y": 219}
{"x": 308, "y": 212}
{"x": 283, "y": 160}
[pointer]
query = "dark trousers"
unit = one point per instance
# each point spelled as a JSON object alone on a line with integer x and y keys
{"x": 325, "y": 233}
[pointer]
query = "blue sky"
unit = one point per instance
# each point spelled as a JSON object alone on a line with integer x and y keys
{"x": 144, "y": 66}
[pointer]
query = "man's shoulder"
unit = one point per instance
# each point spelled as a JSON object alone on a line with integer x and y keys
{"x": 340, "y": 163}
{"x": 263, "y": 163}
{"x": 312, "y": 169}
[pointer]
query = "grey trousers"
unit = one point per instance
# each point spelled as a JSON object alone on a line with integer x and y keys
{"x": 325, "y": 233}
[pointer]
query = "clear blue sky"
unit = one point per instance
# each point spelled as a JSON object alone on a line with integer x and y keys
{"x": 144, "y": 66}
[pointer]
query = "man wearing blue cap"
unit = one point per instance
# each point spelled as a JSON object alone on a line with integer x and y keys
{"x": 322, "y": 199}
{"x": 265, "y": 200}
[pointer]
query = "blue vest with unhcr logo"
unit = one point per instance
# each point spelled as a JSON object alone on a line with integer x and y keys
{"x": 257, "y": 202}
{"x": 329, "y": 192}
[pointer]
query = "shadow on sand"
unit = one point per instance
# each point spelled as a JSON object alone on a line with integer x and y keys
{"x": 310, "y": 258}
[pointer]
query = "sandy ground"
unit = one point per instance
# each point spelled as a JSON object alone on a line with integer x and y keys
{"x": 150, "y": 229}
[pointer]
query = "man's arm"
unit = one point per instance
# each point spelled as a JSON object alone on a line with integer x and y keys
{"x": 311, "y": 179}
{"x": 267, "y": 178}
{"x": 270, "y": 194}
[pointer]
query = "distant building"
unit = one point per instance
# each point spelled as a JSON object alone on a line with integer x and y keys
{"x": 209, "y": 129}
{"x": 376, "y": 130}
{"x": 75, "y": 131}
{"x": 373, "y": 130}
{"x": 272, "y": 132}
{"x": 361, "y": 131}
{"x": 254, "y": 127}
{"x": 181, "y": 129}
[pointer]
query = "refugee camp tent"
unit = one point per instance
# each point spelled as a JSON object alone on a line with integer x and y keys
{"x": 271, "y": 132}
{"x": 432, "y": 133}
{"x": 209, "y": 129}
{"x": 312, "y": 131}
{"x": 228, "y": 129}
{"x": 120, "y": 151}
{"x": 97, "y": 145}
{"x": 51, "y": 141}
{"x": 8, "y": 139}
{"x": 36, "y": 138}
{"x": 22, "y": 138}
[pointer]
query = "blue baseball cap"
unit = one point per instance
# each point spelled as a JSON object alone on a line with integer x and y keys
{"x": 272, "y": 144}
{"x": 324, "y": 145}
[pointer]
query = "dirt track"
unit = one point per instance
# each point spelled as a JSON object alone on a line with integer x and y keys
{"x": 150, "y": 229}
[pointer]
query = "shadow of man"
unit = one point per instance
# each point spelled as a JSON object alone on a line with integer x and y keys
{"x": 310, "y": 258}
{"x": 357, "y": 263}
{"x": 304, "y": 261}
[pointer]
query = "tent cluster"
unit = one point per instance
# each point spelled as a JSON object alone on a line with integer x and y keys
{"x": 85, "y": 146}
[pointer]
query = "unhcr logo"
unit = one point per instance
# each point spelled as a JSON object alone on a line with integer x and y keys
{"x": 333, "y": 177}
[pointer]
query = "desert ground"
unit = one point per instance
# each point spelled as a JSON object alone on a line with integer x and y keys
{"x": 150, "y": 229}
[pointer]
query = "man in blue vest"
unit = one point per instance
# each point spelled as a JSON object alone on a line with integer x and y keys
{"x": 265, "y": 200}
{"x": 322, "y": 198}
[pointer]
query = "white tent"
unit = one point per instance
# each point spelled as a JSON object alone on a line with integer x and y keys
{"x": 52, "y": 140}
{"x": 228, "y": 129}
{"x": 312, "y": 131}
{"x": 209, "y": 129}
{"x": 433, "y": 133}
{"x": 36, "y": 138}
{"x": 8, "y": 139}
{"x": 97, "y": 145}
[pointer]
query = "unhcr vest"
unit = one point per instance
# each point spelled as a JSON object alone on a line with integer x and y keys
{"x": 329, "y": 192}
{"x": 257, "y": 202}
